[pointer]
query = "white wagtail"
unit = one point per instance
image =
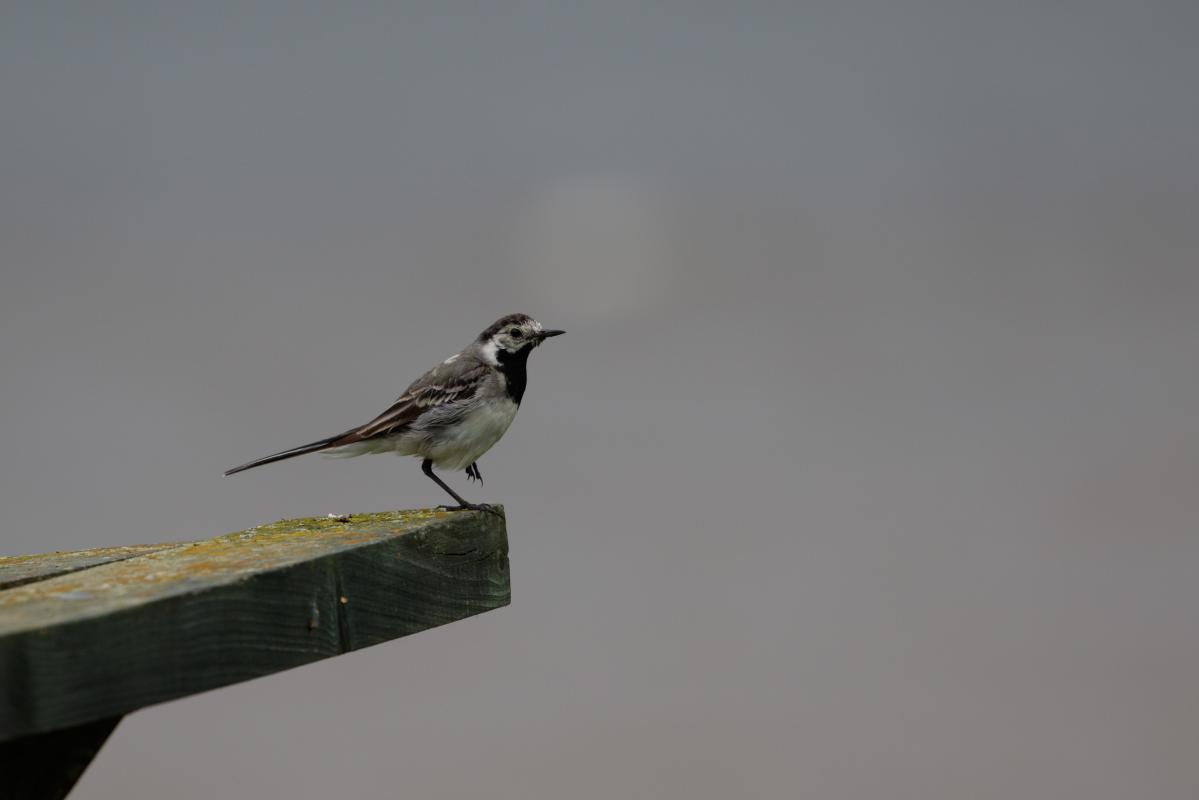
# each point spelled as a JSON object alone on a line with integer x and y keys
{"x": 453, "y": 413}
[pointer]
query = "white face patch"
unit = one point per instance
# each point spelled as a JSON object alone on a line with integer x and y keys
{"x": 527, "y": 332}
{"x": 488, "y": 352}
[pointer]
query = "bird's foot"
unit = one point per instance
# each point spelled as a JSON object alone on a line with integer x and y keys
{"x": 484, "y": 507}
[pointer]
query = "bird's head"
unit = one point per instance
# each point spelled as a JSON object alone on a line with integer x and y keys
{"x": 514, "y": 334}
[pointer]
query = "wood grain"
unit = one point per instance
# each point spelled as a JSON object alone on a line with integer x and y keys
{"x": 101, "y": 641}
{"x": 18, "y": 570}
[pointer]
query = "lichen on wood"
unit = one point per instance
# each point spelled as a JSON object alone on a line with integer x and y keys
{"x": 127, "y": 629}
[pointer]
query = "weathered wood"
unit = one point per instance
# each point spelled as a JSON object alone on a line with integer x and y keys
{"x": 99, "y": 642}
{"x": 46, "y": 766}
{"x": 18, "y": 570}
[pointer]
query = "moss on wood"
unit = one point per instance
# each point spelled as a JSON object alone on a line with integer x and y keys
{"x": 136, "y": 627}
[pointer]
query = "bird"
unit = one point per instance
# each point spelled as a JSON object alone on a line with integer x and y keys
{"x": 452, "y": 414}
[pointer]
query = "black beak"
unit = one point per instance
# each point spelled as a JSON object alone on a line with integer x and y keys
{"x": 548, "y": 334}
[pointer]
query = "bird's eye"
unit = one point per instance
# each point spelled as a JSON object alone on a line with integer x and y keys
{"x": 514, "y": 333}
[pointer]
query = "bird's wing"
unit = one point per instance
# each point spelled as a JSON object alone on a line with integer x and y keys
{"x": 444, "y": 384}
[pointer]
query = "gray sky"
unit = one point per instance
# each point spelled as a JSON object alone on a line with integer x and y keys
{"x": 867, "y": 467}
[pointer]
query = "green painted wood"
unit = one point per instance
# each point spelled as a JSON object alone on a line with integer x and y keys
{"x": 46, "y": 766}
{"x": 102, "y": 641}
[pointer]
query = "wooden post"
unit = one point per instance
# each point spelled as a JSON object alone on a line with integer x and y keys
{"x": 88, "y": 637}
{"x": 46, "y": 766}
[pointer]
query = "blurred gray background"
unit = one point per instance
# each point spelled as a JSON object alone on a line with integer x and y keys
{"x": 868, "y": 466}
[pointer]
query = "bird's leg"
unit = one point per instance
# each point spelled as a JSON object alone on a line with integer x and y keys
{"x": 427, "y": 467}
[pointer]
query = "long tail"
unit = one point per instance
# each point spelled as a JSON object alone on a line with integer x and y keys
{"x": 293, "y": 452}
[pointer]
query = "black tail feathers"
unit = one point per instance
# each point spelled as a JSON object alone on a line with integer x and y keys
{"x": 295, "y": 451}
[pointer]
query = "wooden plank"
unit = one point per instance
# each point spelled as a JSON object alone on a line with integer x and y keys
{"x": 18, "y": 570}
{"x": 103, "y": 641}
{"x": 46, "y": 766}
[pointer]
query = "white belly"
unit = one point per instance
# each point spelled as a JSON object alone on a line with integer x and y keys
{"x": 458, "y": 447}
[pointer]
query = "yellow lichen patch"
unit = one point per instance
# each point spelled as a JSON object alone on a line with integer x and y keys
{"x": 178, "y": 569}
{"x": 17, "y": 570}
